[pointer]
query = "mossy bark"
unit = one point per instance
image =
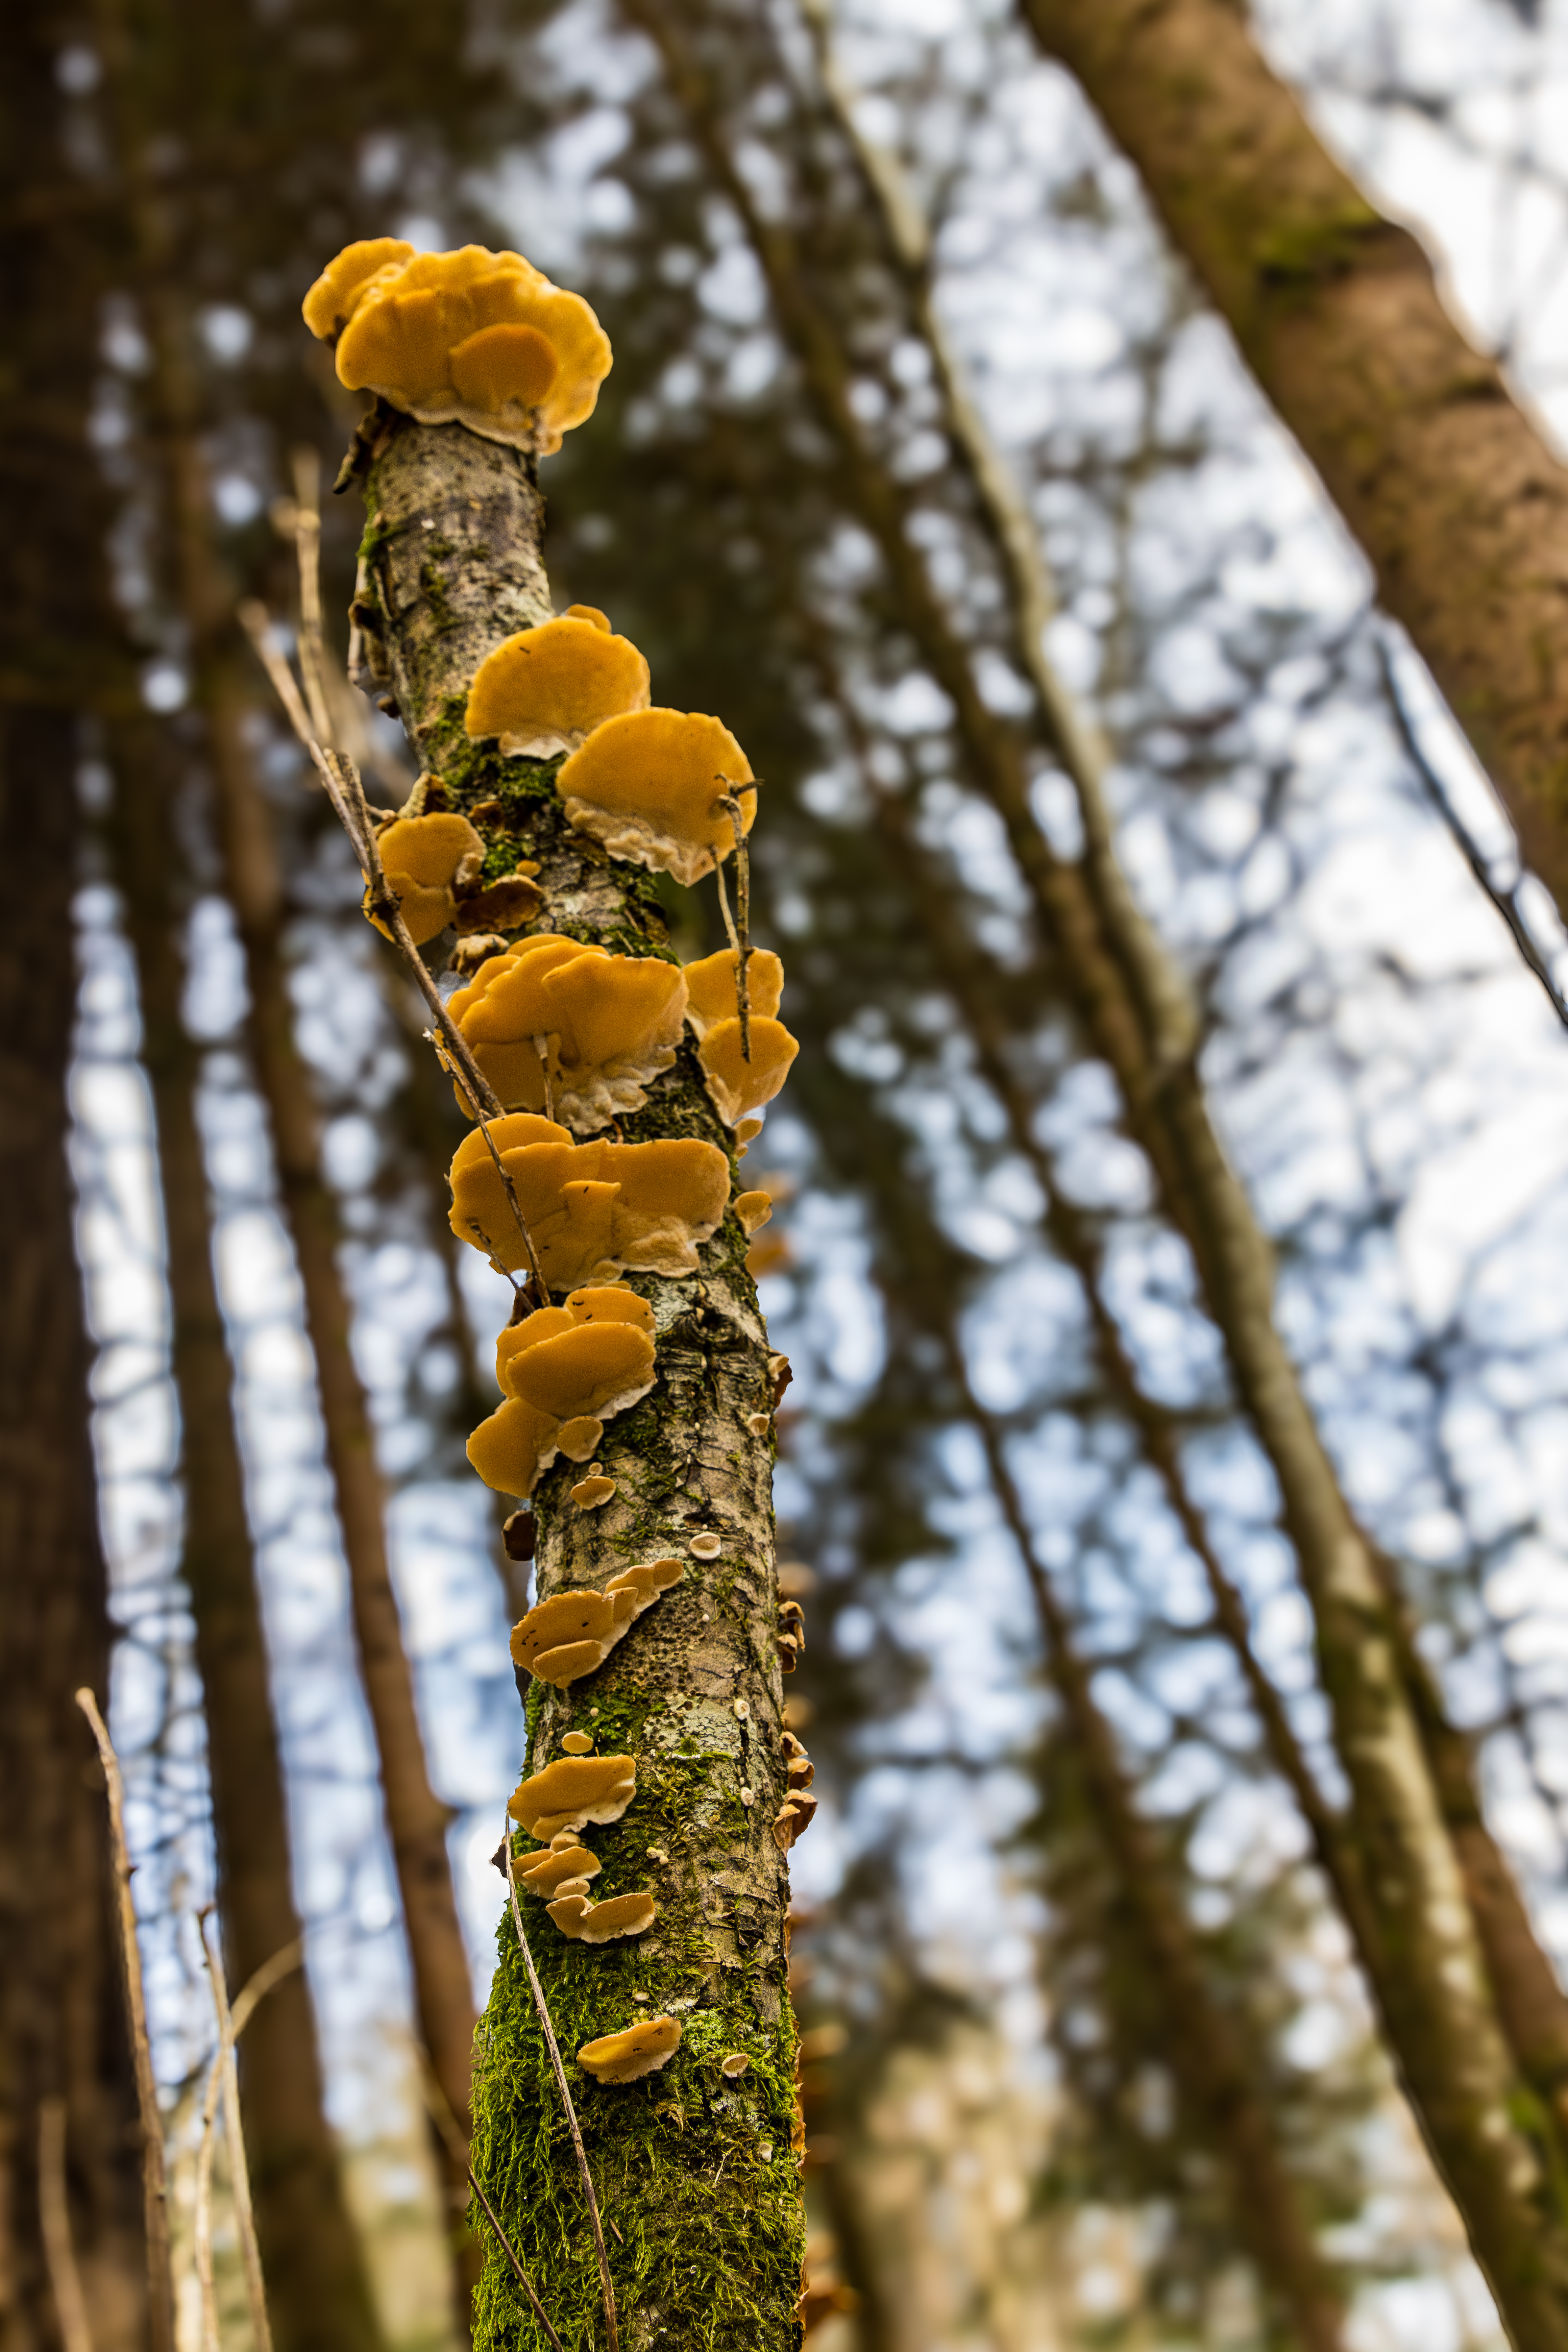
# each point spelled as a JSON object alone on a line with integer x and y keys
{"x": 1459, "y": 505}
{"x": 696, "y": 2172}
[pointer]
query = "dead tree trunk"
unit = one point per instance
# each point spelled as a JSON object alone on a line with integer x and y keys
{"x": 316, "y": 2282}
{"x": 1461, "y": 508}
{"x": 695, "y": 2169}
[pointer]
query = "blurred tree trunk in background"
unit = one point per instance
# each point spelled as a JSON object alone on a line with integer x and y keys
{"x": 1461, "y": 508}
{"x": 226, "y": 683}
{"x": 1420, "y": 1944}
{"x": 316, "y": 2280}
{"x": 62, "y": 2026}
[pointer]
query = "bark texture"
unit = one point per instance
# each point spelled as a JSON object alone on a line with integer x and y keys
{"x": 317, "y": 2288}
{"x": 62, "y": 2024}
{"x": 696, "y": 2172}
{"x": 1495, "y": 2145}
{"x": 1462, "y": 508}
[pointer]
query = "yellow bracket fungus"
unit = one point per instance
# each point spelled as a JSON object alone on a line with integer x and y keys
{"x": 563, "y": 1863}
{"x": 545, "y": 689}
{"x": 738, "y": 1085}
{"x": 570, "y": 1634}
{"x": 563, "y": 1371}
{"x": 332, "y": 299}
{"x": 754, "y": 1208}
{"x": 594, "y": 1209}
{"x": 710, "y": 991}
{"x": 571, "y": 1030}
{"x": 423, "y": 858}
{"x": 636, "y": 2050}
{"x": 596, "y": 1923}
{"x": 573, "y": 1791}
{"x": 592, "y": 1492}
{"x": 473, "y": 337}
{"x": 650, "y": 784}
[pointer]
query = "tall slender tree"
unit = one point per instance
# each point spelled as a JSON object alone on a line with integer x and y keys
{"x": 1457, "y": 502}
{"x": 1436, "y": 1999}
{"x": 317, "y": 2285}
{"x": 63, "y": 2034}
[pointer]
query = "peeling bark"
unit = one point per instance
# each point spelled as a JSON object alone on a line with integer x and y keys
{"x": 695, "y": 2172}
{"x": 1459, "y": 505}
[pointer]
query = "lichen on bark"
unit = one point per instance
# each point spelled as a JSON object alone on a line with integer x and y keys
{"x": 697, "y": 2173}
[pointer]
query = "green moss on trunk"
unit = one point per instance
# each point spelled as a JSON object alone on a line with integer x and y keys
{"x": 698, "y": 2180}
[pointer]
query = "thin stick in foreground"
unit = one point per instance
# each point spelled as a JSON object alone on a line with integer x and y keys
{"x": 55, "y": 2227}
{"x": 553, "y": 2047}
{"x": 154, "y": 2186}
{"x": 346, "y": 792}
{"x": 239, "y": 2172}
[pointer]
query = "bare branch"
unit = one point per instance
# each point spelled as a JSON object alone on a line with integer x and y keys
{"x": 155, "y": 2188}
{"x": 239, "y": 2172}
{"x": 346, "y": 792}
{"x": 1432, "y": 784}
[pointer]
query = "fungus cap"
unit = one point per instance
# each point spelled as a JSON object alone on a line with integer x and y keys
{"x": 597, "y": 1923}
{"x": 753, "y": 1209}
{"x": 477, "y": 338}
{"x": 589, "y": 1369}
{"x": 556, "y": 1865}
{"x": 792, "y": 1819}
{"x": 570, "y": 1634}
{"x": 510, "y": 1449}
{"x": 734, "y": 2066}
{"x": 647, "y": 786}
{"x": 331, "y": 300}
{"x": 577, "y": 1743}
{"x": 738, "y": 1085}
{"x": 545, "y": 689}
{"x": 712, "y": 993}
{"x": 578, "y": 1439}
{"x": 606, "y": 1025}
{"x": 421, "y": 856}
{"x": 641, "y": 2048}
{"x": 592, "y": 1492}
{"x": 593, "y": 1209}
{"x": 573, "y": 1791}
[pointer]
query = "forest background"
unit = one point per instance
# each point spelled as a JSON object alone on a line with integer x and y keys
{"x": 1072, "y": 1881}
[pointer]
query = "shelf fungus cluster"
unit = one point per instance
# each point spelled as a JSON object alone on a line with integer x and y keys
{"x": 571, "y": 1035}
{"x": 474, "y": 338}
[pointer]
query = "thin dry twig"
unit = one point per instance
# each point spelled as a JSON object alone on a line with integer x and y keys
{"x": 203, "y": 2226}
{"x": 270, "y": 1973}
{"x": 342, "y": 780}
{"x": 55, "y": 2227}
{"x": 308, "y": 547}
{"x": 740, "y": 925}
{"x": 553, "y": 2047}
{"x": 503, "y": 1175}
{"x": 1505, "y": 900}
{"x": 239, "y": 2170}
{"x": 155, "y": 2188}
